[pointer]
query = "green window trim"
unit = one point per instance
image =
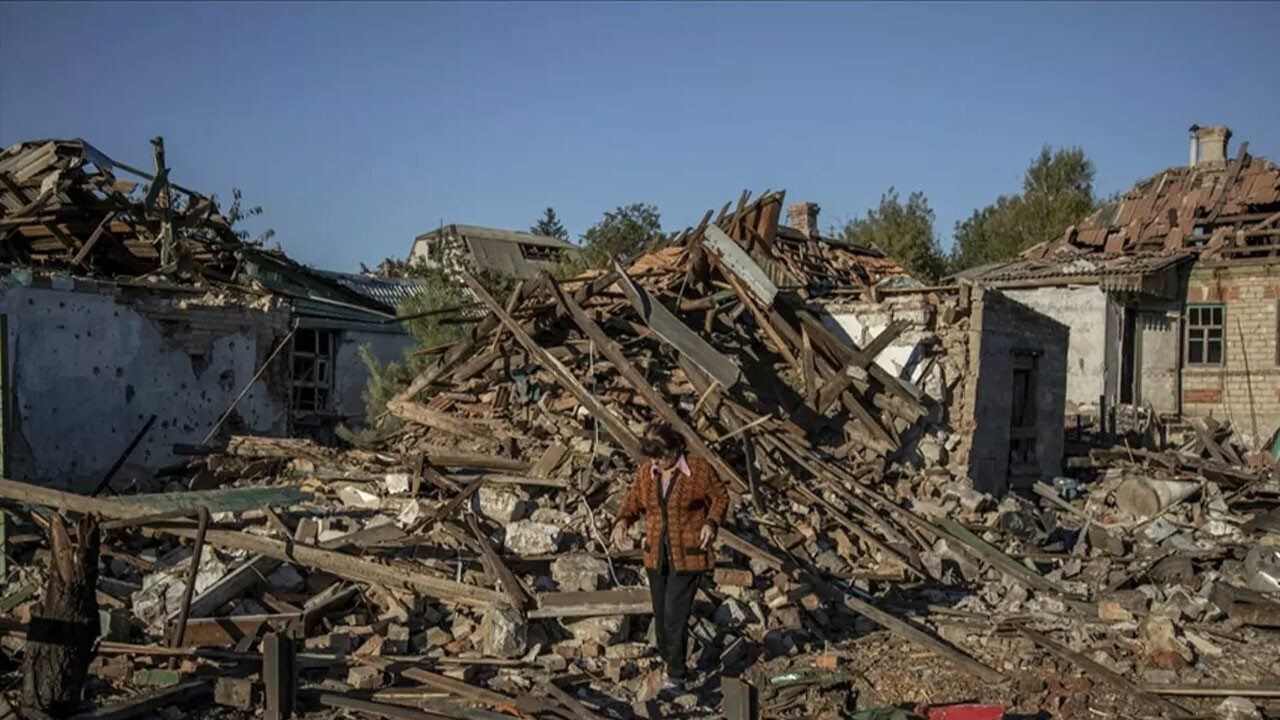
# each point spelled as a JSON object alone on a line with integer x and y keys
{"x": 1205, "y": 334}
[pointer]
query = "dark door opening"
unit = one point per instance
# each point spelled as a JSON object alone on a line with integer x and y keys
{"x": 1129, "y": 377}
{"x": 1024, "y": 462}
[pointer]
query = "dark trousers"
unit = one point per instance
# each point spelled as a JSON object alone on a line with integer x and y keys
{"x": 672, "y": 602}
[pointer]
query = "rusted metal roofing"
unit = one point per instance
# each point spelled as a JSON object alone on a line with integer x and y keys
{"x": 1225, "y": 208}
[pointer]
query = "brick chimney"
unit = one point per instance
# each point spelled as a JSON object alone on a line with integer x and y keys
{"x": 1209, "y": 144}
{"x": 803, "y": 216}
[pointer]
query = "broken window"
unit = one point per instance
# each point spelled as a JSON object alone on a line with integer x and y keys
{"x": 312, "y": 369}
{"x": 542, "y": 253}
{"x": 1206, "y": 335}
{"x": 1022, "y": 426}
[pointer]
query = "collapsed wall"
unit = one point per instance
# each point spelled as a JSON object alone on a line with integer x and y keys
{"x": 993, "y": 369}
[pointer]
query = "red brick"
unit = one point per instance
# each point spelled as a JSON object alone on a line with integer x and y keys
{"x": 1271, "y": 292}
{"x": 826, "y": 661}
{"x": 1202, "y": 396}
{"x": 1195, "y": 294}
{"x": 1231, "y": 293}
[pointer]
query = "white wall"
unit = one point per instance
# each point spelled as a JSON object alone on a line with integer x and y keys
{"x": 1083, "y": 309}
{"x": 351, "y": 374}
{"x": 89, "y": 363}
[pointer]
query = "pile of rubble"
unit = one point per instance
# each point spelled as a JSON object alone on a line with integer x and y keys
{"x": 456, "y": 566}
{"x": 65, "y": 208}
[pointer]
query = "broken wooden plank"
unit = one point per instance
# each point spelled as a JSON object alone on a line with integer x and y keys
{"x": 910, "y": 632}
{"x": 369, "y": 707}
{"x": 1103, "y": 674}
{"x": 549, "y": 461}
{"x": 447, "y": 458}
{"x": 618, "y": 429}
{"x": 1014, "y": 569}
{"x": 365, "y": 537}
{"x": 509, "y": 584}
{"x": 422, "y": 415}
{"x": 643, "y": 387}
{"x": 227, "y": 631}
{"x": 740, "y": 699}
{"x": 1255, "y": 614}
{"x": 627, "y": 601}
{"x": 678, "y": 335}
{"x": 1271, "y": 690}
{"x": 279, "y": 676}
{"x": 569, "y": 702}
{"x": 765, "y": 324}
{"x": 234, "y": 584}
{"x": 184, "y": 608}
{"x": 345, "y": 566}
{"x": 185, "y": 694}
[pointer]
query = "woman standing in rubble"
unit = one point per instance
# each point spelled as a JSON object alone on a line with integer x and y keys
{"x": 684, "y": 502}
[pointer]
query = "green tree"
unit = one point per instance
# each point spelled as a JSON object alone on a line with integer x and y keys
{"x": 438, "y": 314}
{"x": 904, "y": 232}
{"x": 622, "y": 232}
{"x": 1057, "y": 191}
{"x": 549, "y": 225}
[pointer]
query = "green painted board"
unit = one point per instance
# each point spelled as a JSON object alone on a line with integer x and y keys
{"x": 229, "y": 499}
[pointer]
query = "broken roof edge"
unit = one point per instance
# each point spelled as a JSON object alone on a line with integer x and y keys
{"x": 498, "y": 235}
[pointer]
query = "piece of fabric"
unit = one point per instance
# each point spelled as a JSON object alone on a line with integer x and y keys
{"x": 672, "y": 594}
{"x": 694, "y": 499}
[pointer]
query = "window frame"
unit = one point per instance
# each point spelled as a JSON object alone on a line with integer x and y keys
{"x": 1189, "y": 328}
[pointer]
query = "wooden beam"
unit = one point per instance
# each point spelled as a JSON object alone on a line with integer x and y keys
{"x": 642, "y": 386}
{"x": 369, "y": 707}
{"x": 423, "y": 415}
{"x": 279, "y": 676}
{"x": 227, "y": 631}
{"x": 345, "y": 566}
{"x": 618, "y": 429}
{"x": 740, "y": 699}
{"x": 507, "y": 579}
{"x": 93, "y": 239}
{"x": 186, "y": 694}
{"x": 1105, "y": 675}
{"x": 627, "y": 601}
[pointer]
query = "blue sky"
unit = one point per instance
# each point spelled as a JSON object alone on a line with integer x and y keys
{"x": 359, "y": 125}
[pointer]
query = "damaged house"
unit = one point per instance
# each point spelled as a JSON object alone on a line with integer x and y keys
{"x": 1172, "y": 292}
{"x": 508, "y": 252}
{"x": 134, "y": 313}
{"x": 990, "y": 370}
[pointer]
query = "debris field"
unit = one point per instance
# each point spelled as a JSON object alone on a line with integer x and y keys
{"x": 455, "y": 564}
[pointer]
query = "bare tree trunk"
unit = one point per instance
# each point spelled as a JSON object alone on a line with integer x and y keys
{"x": 64, "y": 625}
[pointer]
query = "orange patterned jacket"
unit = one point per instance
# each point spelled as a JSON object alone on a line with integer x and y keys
{"x": 696, "y": 498}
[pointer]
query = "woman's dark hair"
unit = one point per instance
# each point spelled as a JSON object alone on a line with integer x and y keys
{"x": 661, "y": 440}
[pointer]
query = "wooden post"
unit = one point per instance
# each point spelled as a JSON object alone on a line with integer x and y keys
{"x": 278, "y": 676}
{"x": 64, "y": 625}
{"x": 180, "y": 628}
{"x": 1102, "y": 420}
{"x": 740, "y": 701}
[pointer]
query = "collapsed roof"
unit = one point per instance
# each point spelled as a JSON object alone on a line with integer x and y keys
{"x": 1212, "y": 209}
{"x": 64, "y": 207}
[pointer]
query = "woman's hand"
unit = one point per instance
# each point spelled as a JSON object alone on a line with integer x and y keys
{"x": 707, "y": 536}
{"x": 619, "y": 535}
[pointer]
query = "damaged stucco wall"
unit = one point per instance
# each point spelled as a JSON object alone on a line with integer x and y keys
{"x": 1003, "y": 328}
{"x": 930, "y": 353}
{"x": 90, "y": 362}
{"x": 1159, "y": 345}
{"x": 351, "y": 373}
{"x": 1083, "y": 309}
